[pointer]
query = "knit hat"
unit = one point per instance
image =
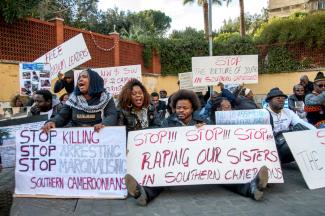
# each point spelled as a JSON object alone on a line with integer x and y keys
{"x": 275, "y": 92}
{"x": 319, "y": 77}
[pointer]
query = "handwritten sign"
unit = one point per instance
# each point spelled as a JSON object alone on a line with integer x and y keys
{"x": 308, "y": 149}
{"x": 8, "y": 138}
{"x": 209, "y": 155}
{"x": 71, "y": 162}
{"x": 33, "y": 77}
{"x": 185, "y": 82}
{"x": 226, "y": 69}
{"x": 115, "y": 77}
{"x": 242, "y": 117}
{"x": 66, "y": 56}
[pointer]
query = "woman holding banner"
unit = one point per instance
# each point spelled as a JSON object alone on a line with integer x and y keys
{"x": 89, "y": 105}
{"x": 186, "y": 103}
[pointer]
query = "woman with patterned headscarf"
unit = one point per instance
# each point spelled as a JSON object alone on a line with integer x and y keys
{"x": 89, "y": 105}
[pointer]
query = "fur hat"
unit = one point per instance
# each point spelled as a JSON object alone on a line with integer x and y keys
{"x": 275, "y": 92}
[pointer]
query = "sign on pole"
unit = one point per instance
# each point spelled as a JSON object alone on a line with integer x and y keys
{"x": 71, "y": 162}
{"x": 115, "y": 77}
{"x": 33, "y": 77}
{"x": 66, "y": 56}
{"x": 185, "y": 82}
{"x": 242, "y": 117}
{"x": 308, "y": 149}
{"x": 236, "y": 69}
{"x": 226, "y": 154}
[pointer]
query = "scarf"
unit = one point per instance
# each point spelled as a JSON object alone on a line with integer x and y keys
{"x": 79, "y": 102}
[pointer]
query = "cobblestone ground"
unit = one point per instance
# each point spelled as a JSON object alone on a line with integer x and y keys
{"x": 291, "y": 198}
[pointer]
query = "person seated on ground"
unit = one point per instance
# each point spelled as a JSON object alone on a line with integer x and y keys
{"x": 89, "y": 105}
{"x": 186, "y": 103}
{"x": 227, "y": 94}
{"x": 245, "y": 100}
{"x": 315, "y": 102}
{"x": 308, "y": 85}
{"x": 65, "y": 81}
{"x": 159, "y": 106}
{"x": 296, "y": 101}
{"x": 206, "y": 111}
{"x": 282, "y": 119}
{"x": 220, "y": 104}
{"x": 163, "y": 95}
{"x": 45, "y": 103}
{"x": 64, "y": 98}
{"x": 135, "y": 110}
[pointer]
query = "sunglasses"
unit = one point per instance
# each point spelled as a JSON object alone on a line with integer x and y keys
{"x": 321, "y": 86}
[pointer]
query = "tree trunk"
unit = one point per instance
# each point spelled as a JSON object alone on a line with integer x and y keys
{"x": 242, "y": 18}
{"x": 206, "y": 18}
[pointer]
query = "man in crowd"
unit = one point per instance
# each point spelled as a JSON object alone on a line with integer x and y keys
{"x": 65, "y": 81}
{"x": 308, "y": 85}
{"x": 315, "y": 102}
{"x": 296, "y": 101}
{"x": 159, "y": 106}
{"x": 45, "y": 103}
{"x": 282, "y": 119}
{"x": 163, "y": 96}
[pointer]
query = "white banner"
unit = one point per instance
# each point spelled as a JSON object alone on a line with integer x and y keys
{"x": 242, "y": 117}
{"x": 237, "y": 69}
{"x": 208, "y": 155}
{"x": 66, "y": 56}
{"x": 8, "y": 141}
{"x": 185, "y": 82}
{"x": 33, "y": 77}
{"x": 71, "y": 162}
{"x": 115, "y": 77}
{"x": 308, "y": 149}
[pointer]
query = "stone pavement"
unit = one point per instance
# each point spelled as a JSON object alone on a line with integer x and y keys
{"x": 292, "y": 198}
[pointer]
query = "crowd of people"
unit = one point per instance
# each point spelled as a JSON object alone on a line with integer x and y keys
{"x": 89, "y": 104}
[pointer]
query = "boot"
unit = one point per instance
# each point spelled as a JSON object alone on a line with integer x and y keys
{"x": 135, "y": 190}
{"x": 259, "y": 183}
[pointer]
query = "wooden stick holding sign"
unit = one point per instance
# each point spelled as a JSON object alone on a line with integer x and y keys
{"x": 226, "y": 154}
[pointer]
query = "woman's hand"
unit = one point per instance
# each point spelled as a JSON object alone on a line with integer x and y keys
{"x": 48, "y": 126}
{"x": 97, "y": 127}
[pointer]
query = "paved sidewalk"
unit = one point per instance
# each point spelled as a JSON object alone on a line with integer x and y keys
{"x": 291, "y": 198}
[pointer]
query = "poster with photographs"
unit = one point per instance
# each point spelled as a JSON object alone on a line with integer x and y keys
{"x": 34, "y": 76}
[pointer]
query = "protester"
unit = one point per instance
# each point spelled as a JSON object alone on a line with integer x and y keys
{"x": 45, "y": 103}
{"x": 245, "y": 100}
{"x": 308, "y": 85}
{"x": 186, "y": 105}
{"x": 206, "y": 111}
{"x": 64, "y": 98}
{"x": 226, "y": 93}
{"x": 296, "y": 101}
{"x": 315, "y": 102}
{"x": 65, "y": 81}
{"x": 159, "y": 106}
{"x": 135, "y": 111}
{"x": 220, "y": 104}
{"x": 19, "y": 101}
{"x": 282, "y": 119}
{"x": 89, "y": 105}
{"x": 163, "y": 95}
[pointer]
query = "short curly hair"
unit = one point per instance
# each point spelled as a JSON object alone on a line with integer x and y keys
{"x": 125, "y": 99}
{"x": 184, "y": 94}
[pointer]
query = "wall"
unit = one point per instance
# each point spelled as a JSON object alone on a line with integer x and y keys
{"x": 9, "y": 82}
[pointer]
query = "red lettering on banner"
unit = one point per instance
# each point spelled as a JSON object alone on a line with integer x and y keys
{"x": 155, "y": 137}
{"x": 79, "y": 137}
{"x": 252, "y": 155}
{"x": 192, "y": 175}
{"x": 91, "y": 183}
{"x": 210, "y": 155}
{"x": 148, "y": 179}
{"x": 207, "y": 134}
{"x": 251, "y": 133}
{"x": 321, "y": 134}
{"x": 228, "y": 61}
{"x": 166, "y": 158}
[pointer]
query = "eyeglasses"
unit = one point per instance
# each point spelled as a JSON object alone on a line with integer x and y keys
{"x": 321, "y": 86}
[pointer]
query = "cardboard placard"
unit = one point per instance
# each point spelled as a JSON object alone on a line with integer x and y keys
{"x": 308, "y": 149}
{"x": 71, "y": 162}
{"x": 242, "y": 117}
{"x": 186, "y": 82}
{"x": 227, "y": 154}
{"x": 236, "y": 69}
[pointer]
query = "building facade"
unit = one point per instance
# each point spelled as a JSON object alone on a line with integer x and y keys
{"x": 281, "y": 8}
